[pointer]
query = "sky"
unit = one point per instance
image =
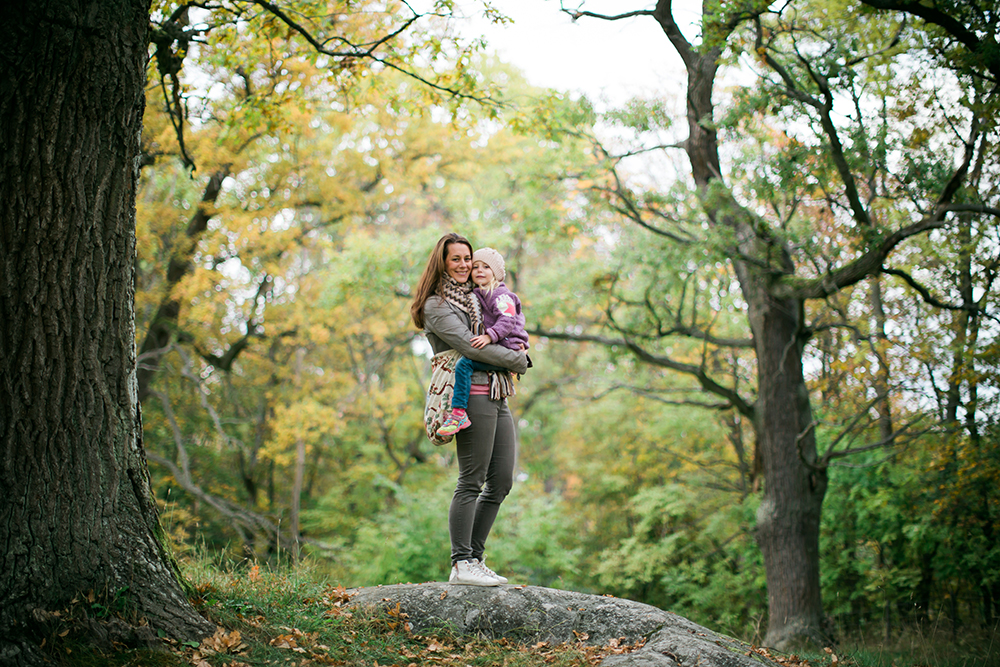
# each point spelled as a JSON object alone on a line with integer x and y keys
{"x": 613, "y": 59}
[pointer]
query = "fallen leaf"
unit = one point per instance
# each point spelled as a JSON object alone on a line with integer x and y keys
{"x": 225, "y": 642}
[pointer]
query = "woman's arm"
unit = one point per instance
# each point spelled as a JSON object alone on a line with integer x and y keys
{"x": 446, "y": 324}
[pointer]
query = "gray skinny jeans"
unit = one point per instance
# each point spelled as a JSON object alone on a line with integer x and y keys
{"x": 487, "y": 453}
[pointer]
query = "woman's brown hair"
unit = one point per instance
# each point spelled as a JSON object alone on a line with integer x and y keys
{"x": 432, "y": 274}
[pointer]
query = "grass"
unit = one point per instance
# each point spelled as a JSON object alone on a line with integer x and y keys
{"x": 284, "y": 618}
{"x": 289, "y": 618}
{"x": 930, "y": 647}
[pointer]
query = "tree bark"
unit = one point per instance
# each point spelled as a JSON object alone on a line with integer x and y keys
{"x": 300, "y": 466}
{"x": 882, "y": 375}
{"x": 788, "y": 519}
{"x": 77, "y": 515}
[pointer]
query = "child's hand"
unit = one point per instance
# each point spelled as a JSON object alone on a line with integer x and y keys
{"x": 479, "y": 342}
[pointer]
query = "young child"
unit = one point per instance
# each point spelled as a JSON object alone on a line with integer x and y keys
{"x": 503, "y": 322}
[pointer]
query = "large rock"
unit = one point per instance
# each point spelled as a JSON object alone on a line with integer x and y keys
{"x": 530, "y": 614}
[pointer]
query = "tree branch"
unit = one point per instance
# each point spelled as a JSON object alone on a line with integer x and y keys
{"x": 985, "y": 52}
{"x": 708, "y": 384}
{"x": 653, "y": 396}
{"x": 891, "y": 439}
{"x": 578, "y": 13}
{"x": 366, "y": 52}
{"x": 164, "y": 322}
{"x": 790, "y": 287}
{"x": 925, "y": 293}
{"x": 246, "y": 522}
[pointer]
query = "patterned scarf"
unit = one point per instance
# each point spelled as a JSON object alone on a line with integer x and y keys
{"x": 460, "y": 294}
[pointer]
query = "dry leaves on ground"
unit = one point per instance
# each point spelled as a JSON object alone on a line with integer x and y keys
{"x": 792, "y": 660}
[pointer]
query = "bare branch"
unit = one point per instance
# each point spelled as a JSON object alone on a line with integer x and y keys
{"x": 188, "y": 372}
{"x": 824, "y": 108}
{"x": 653, "y": 395}
{"x": 790, "y": 287}
{"x": 891, "y": 439}
{"x": 225, "y": 361}
{"x": 707, "y": 383}
{"x": 984, "y": 50}
{"x": 246, "y": 522}
{"x": 579, "y": 13}
{"x": 164, "y": 322}
{"x": 925, "y": 293}
{"x": 366, "y": 51}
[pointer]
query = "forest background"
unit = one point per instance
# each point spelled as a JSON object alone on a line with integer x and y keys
{"x": 286, "y": 208}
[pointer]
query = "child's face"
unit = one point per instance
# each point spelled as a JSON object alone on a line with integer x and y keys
{"x": 482, "y": 274}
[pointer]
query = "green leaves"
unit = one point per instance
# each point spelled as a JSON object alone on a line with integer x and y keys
{"x": 641, "y": 115}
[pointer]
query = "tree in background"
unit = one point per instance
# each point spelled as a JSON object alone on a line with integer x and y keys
{"x": 339, "y": 260}
{"x": 827, "y": 183}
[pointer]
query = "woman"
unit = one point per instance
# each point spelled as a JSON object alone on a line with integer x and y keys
{"x": 447, "y": 310}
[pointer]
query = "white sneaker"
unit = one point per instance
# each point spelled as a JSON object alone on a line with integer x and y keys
{"x": 469, "y": 573}
{"x": 484, "y": 568}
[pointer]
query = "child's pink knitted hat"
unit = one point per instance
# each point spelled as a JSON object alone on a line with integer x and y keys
{"x": 493, "y": 260}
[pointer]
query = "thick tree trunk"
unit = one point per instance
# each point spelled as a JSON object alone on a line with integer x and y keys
{"x": 77, "y": 516}
{"x": 788, "y": 519}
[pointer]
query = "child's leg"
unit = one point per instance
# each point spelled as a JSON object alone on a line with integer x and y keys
{"x": 463, "y": 383}
{"x": 458, "y": 420}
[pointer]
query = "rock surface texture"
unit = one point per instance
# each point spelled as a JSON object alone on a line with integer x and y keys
{"x": 530, "y": 614}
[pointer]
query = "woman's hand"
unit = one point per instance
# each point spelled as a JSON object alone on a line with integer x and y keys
{"x": 479, "y": 342}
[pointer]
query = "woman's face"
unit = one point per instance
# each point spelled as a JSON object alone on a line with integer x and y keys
{"x": 458, "y": 261}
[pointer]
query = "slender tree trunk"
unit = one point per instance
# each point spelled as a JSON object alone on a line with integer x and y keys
{"x": 300, "y": 465}
{"x": 882, "y": 406}
{"x": 163, "y": 327}
{"x": 77, "y": 515}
